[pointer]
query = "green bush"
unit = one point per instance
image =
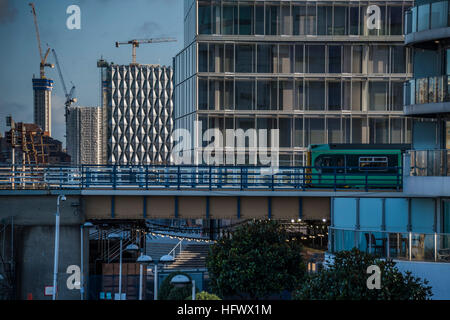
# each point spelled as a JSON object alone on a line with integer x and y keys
{"x": 257, "y": 260}
{"x": 346, "y": 279}
{"x": 169, "y": 292}
{"x": 204, "y": 296}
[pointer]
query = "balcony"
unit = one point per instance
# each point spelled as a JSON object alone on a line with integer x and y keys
{"x": 427, "y": 96}
{"x": 427, "y": 22}
{"x": 409, "y": 246}
{"x": 429, "y": 173}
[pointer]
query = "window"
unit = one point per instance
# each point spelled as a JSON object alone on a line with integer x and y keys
{"x": 244, "y": 94}
{"x": 354, "y": 20}
{"x": 398, "y": 59}
{"x": 299, "y": 61}
{"x": 340, "y": 18}
{"x": 439, "y": 14}
{"x": 215, "y": 94}
{"x": 272, "y": 19}
{"x": 357, "y": 95}
{"x": 378, "y": 91}
{"x": 216, "y": 58}
{"x": 311, "y": 20}
{"x": 203, "y": 57}
{"x": 244, "y": 58}
{"x": 334, "y": 96}
{"x": 286, "y": 20}
{"x": 245, "y": 19}
{"x": 378, "y": 59}
{"x": 423, "y": 21}
{"x": 229, "y": 58}
{"x": 202, "y": 94}
{"x": 397, "y": 96}
{"x": 316, "y": 95}
{"x": 299, "y": 23}
{"x": 315, "y": 131}
{"x": 334, "y": 59}
{"x": 379, "y": 132}
{"x": 316, "y": 58}
{"x": 367, "y": 163}
{"x": 324, "y": 20}
{"x": 347, "y": 59}
{"x": 298, "y": 95}
{"x": 228, "y": 101}
{"x": 358, "y": 130}
{"x": 267, "y": 57}
{"x": 286, "y": 95}
{"x": 230, "y": 19}
{"x": 285, "y": 59}
{"x": 267, "y": 95}
{"x": 285, "y": 132}
{"x": 357, "y": 59}
{"x": 395, "y": 14}
{"x": 396, "y": 130}
{"x": 334, "y": 130}
{"x": 204, "y": 19}
{"x": 298, "y": 132}
{"x": 259, "y": 21}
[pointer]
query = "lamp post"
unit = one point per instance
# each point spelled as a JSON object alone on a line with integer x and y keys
{"x": 61, "y": 197}
{"x": 165, "y": 260}
{"x": 86, "y": 225}
{"x": 130, "y": 247}
{"x": 142, "y": 260}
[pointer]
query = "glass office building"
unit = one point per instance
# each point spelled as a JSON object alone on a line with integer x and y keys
{"x": 316, "y": 71}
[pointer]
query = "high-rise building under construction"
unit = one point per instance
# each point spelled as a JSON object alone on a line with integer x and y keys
{"x": 84, "y": 130}
{"x": 42, "y": 111}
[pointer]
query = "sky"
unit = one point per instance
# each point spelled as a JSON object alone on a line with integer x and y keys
{"x": 103, "y": 22}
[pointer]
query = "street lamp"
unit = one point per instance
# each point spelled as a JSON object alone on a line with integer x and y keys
{"x": 86, "y": 225}
{"x": 130, "y": 247}
{"x": 165, "y": 260}
{"x": 182, "y": 280}
{"x": 142, "y": 260}
{"x": 61, "y": 197}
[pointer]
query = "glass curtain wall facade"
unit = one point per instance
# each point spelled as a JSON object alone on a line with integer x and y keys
{"x": 313, "y": 70}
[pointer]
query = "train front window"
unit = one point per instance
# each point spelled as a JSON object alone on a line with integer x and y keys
{"x": 373, "y": 163}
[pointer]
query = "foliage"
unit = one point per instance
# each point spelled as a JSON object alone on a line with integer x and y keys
{"x": 346, "y": 279}
{"x": 169, "y": 292}
{"x": 255, "y": 261}
{"x": 204, "y": 296}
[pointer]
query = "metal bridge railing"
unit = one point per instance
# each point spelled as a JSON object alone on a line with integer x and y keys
{"x": 199, "y": 177}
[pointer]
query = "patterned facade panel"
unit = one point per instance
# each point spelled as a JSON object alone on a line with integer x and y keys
{"x": 140, "y": 114}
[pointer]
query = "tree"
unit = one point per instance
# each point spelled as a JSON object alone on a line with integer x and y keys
{"x": 170, "y": 292}
{"x": 346, "y": 279}
{"x": 204, "y": 296}
{"x": 257, "y": 260}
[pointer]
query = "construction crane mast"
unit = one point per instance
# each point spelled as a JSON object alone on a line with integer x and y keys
{"x": 43, "y": 63}
{"x": 70, "y": 96}
{"x": 135, "y": 44}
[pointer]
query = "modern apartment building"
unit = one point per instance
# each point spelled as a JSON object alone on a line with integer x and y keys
{"x": 317, "y": 71}
{"x": 412, "y": 225}
{"x": 42, "y": 101}
{"x": 84, "y": 132}
{"x": 138, "y": 111}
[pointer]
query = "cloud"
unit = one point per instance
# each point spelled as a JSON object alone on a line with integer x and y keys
{"x": 149, "y": 29}
{"x": 7, "y": 11}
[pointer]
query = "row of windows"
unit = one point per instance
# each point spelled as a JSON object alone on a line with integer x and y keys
{"x": 301, "y": 58}
{"x": 296, "y": 19}
{"x": 299, "y": 94}
{"x": 428, "y": 16}
{"x": 300, "y": 132}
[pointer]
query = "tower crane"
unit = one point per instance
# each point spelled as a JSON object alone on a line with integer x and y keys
{"x": 135, "y": 44}
{"x": 70, "y": 96}
{"x": 43, "y": 63}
